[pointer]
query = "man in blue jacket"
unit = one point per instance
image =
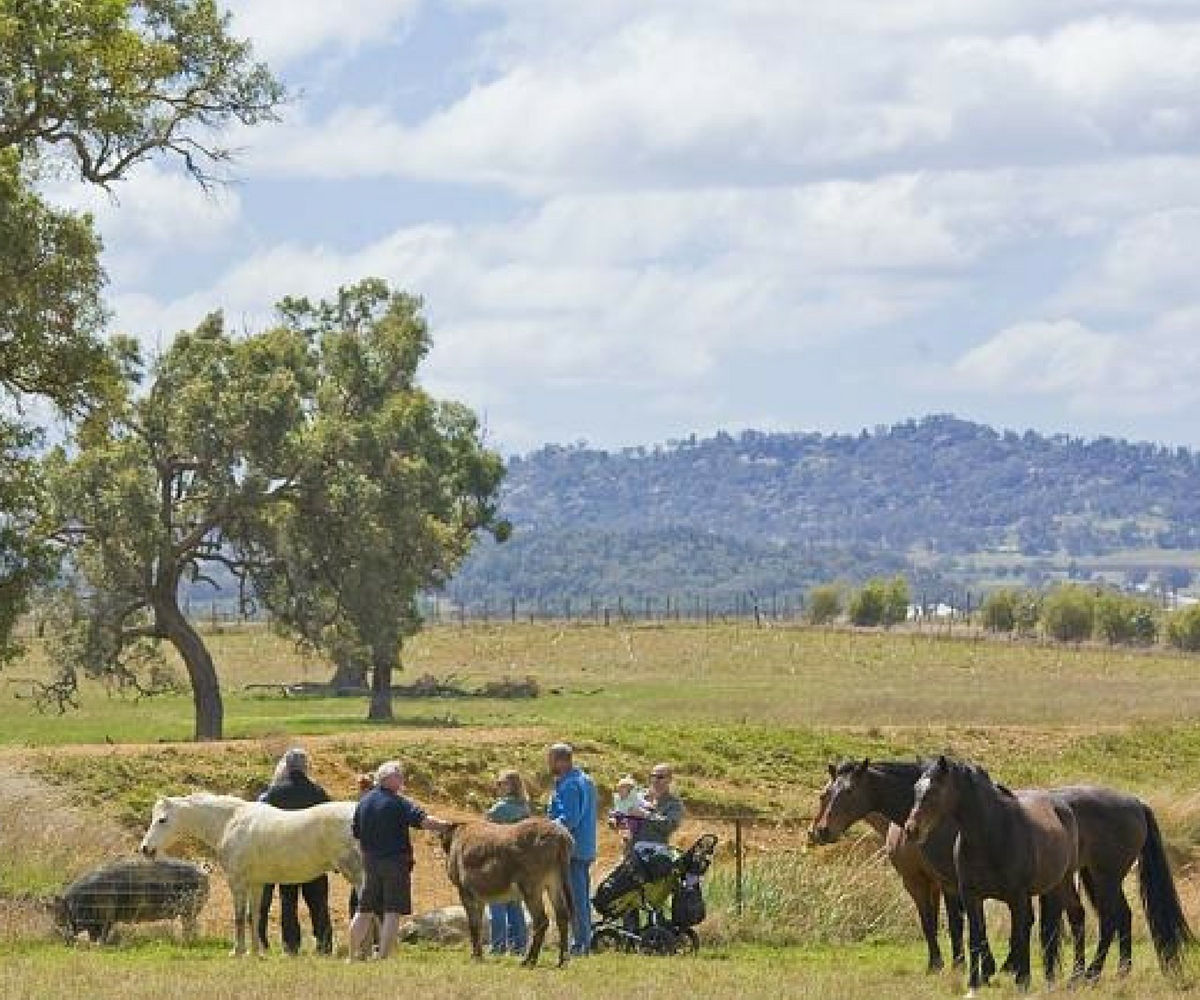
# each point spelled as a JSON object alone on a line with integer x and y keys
{"x": 573, "y": 805}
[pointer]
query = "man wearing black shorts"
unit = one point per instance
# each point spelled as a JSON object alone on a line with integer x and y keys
{"x": 381, "y": 824}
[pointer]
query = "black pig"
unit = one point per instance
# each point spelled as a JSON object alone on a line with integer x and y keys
{"x": 132, "y": 891}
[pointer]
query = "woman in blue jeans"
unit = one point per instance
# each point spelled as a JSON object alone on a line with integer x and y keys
{"x": 507, "y": 920}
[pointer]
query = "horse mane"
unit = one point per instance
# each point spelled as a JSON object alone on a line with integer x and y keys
{"x": 892, "y": 768}
{"x": 979, "y": 775}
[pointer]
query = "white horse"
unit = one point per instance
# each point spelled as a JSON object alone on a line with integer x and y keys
{"x": 257, "y": 844}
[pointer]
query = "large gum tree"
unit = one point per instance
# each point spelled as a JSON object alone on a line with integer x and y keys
{"x": 306, "y": 459}
{"x": 88, "y": 90}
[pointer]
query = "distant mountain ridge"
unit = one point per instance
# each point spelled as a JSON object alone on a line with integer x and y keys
{"x": 767, "y": 511}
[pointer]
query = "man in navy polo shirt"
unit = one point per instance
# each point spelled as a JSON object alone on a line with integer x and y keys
{"x": 382, "y": 820}
{"x": 573, "y": 806}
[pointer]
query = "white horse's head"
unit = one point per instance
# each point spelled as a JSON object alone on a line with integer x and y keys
{"x": 164, "y": 827}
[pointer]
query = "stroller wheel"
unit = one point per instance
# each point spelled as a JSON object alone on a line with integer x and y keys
{"x": 608, "y": 939}
{"x": 658, "y": 939}
{"x": 687, "y": 942}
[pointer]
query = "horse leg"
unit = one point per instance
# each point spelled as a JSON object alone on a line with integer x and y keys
{"x": 560, "y": 898}
{"x": 474, "y": 907}
{"x": 1050, "y": 932}
{"x": 539, "y": 922}
{"x": 1021, "y": 910}
{"x": 254, "y": 901}
{"x": 954, "y": 925}
{"x": 1076, "y": 918}
{"x": 1103, "y": 902}
{"x": 1124, "y": 921}
{"x": 973, "y": 905}
{"x": 239, "y": 920}
{"x": 926, "y": 896}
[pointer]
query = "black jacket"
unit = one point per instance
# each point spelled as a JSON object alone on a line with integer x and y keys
{"x": 296, "y": 791}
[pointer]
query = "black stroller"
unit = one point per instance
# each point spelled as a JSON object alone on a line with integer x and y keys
{"x": 658, "y": 891}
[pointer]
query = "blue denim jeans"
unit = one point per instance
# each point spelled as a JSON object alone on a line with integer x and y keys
{"x": 581, "y": 897}
{"x": 507, "y": 923}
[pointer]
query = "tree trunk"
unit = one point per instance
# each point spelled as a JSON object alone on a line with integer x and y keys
{"x": 206, "y": 692}
{"x": 381, "y": 689}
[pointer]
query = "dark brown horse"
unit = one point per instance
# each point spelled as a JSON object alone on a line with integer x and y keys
{"x": 1010, "y": 847}
{"x": 1115, "y": 830}
{"x": 881, "y": 794}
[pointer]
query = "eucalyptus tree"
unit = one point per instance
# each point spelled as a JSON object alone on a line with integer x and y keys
{"x": 306, "y": 459}
{"x": 88, "y": 90}
{"x": 402, "y": 488}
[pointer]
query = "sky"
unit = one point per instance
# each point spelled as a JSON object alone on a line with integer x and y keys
{"x": 631, "y": 220}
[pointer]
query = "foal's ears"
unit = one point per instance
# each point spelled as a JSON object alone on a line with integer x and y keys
{"x": 832, "y": 771}
{"x": 861, "y": 769}
{"x": 943, "y": 764}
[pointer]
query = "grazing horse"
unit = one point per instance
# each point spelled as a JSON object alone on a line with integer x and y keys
{"x": 1009, "y": 847}
{"x": 257, "y": 844}
{"x": 491, "y": 862}
{"x": 881, "y": 794}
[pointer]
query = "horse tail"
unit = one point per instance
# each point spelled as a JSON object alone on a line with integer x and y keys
{"x": 1164, "y": 914}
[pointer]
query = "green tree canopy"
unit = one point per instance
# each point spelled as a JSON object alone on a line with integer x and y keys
{"x": 91, "y": 88}
{"x": 391, "y": 508}
{"x": 305, "y": 458}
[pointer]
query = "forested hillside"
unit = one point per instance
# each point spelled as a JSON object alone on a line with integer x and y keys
{"x": 761, "y": 512}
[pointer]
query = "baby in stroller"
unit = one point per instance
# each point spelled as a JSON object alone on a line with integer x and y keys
{"x": 662, "y": 886}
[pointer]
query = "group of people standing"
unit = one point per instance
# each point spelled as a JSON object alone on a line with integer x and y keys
{"x": 384, "y": 818}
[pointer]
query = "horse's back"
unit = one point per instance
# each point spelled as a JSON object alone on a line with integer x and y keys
{"x": 263, "y": 843}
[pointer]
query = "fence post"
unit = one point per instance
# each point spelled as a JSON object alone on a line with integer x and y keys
{"x": 737, "y": 860}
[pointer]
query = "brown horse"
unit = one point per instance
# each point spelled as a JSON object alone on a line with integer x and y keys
{"x": 1010, "y": 847}
{"x": 881, "y": 794}
{"x": 1115, "y": 830}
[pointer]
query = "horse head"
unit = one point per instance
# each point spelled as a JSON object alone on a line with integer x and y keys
{"x": 934, "y": 798}
{"x": 164, "y": 827}
{"x": 843, "y": 802}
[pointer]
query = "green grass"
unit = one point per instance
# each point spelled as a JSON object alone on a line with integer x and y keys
{"x": 151, "y": 969}
{"x": 723, "y": 675}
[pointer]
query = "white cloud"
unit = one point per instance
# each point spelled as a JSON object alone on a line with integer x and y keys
{"x": 703, "y": 187}
{"x": 1155, "y": 370}
{"x": 284, "y": 33}
{"x": 1150, "y": 262}
{"x": 766, "y": 93}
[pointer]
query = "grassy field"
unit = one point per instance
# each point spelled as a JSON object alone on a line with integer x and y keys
{"x": 749, "y": 717}
{"x": 720, "y": 675}
{"x": 154, "y": 970}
